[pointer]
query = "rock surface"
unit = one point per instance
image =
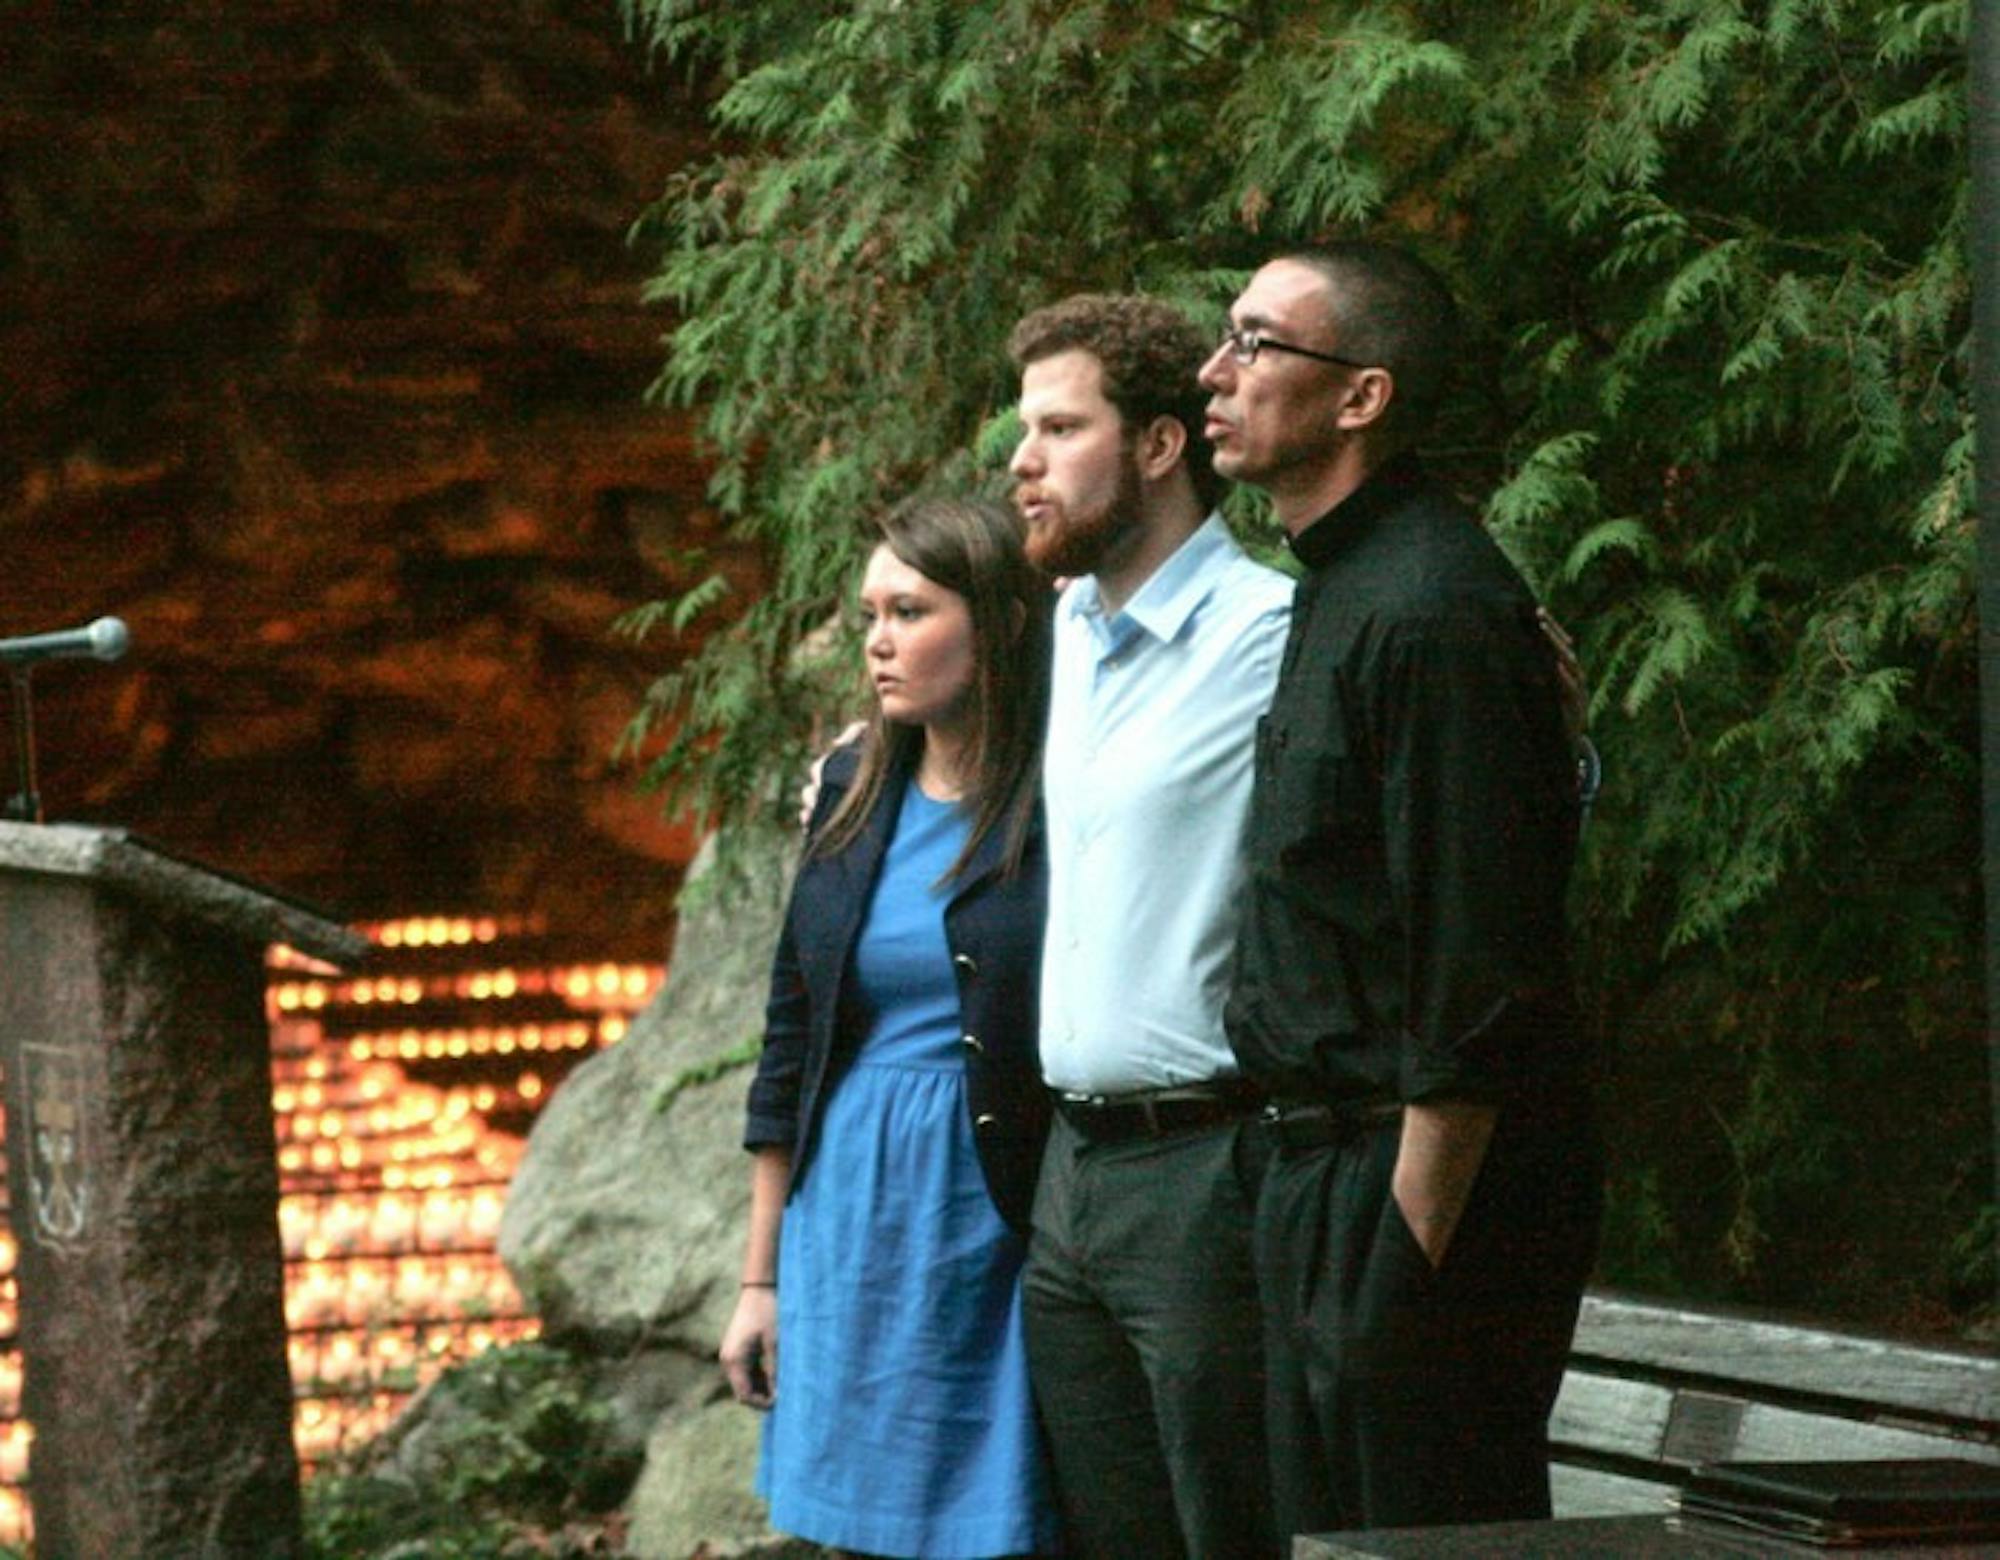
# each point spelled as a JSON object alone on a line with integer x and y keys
{"x": 624, "y": 1224}
{"x": 326, "y": 362}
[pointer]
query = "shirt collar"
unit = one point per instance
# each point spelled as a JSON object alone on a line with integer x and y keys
{"x": 1171, "y": 593}
{"x": 1384, "y": 489}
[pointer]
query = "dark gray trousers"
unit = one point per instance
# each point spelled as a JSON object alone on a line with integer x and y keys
{"x": 1145, "y": 1346}
{"x": 1403, "y": 1396}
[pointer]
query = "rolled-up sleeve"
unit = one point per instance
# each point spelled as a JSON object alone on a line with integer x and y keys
{"x": 1478, "y": 829}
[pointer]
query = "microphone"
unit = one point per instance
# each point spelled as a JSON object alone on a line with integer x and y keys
{"x": 104, "y": 640}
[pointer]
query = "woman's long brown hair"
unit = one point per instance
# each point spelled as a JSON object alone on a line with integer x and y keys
{"x": 971, "y": 546}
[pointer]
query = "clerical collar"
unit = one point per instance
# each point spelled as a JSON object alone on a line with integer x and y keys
{"x": 1340, "y": 527}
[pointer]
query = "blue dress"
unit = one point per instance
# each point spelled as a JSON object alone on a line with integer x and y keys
{"x": 903, "y": 1423}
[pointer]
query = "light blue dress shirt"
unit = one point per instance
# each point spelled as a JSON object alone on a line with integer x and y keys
{"x": 1152, "y": 729}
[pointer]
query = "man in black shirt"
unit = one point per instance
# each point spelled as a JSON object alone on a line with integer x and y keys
{"x": 1402, "y": 982}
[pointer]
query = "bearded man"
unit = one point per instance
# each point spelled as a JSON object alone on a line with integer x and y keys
{"x": 1143, "y": 1324}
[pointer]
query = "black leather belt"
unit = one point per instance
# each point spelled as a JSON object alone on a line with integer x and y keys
{"x": 1120, "y": 1118}
{"x": 1295, "y": 1126}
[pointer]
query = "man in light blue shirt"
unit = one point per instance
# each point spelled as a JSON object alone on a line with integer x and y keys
{"x": 1143, "y": 1323}
{"x": 1148, "y": 768}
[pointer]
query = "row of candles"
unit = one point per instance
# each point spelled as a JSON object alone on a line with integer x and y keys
{"x": 624, "y": 986}
{"x": 440, "y": 1158}
{"x": 317, "y": 1226}
{"x": 392, "y": 1189}
{"x": 315, "y": 1114}
{"x": 311, "y": 1114}
{"x": 445, "y": 931}
{"x": 16, "y": 1437}
{"x": 366, "y": 1257}
{"x": 411, "y": 1045}
{"x": 377, "y": 1377}
{"x": 418, "y": 931}
{"x": 390, "y": 1268}
{"x": 358, "y": 1368}
{"x": 361, "y": 1293}
{"x": 388, "y": 1357}
{"x": 383, "y": 1287}
{"x": 368, "y": 1127}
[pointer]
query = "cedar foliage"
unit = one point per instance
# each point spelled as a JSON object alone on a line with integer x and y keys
{"x": 1714, "y": 401}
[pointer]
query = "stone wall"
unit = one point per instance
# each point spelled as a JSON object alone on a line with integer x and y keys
{"x": 325, "y": 359}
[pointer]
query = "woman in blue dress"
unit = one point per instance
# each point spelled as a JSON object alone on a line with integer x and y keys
{"x": 897, "y": 1115}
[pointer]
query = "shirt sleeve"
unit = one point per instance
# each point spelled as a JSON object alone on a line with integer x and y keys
{"x": 1264, "y": 646}
{"x": 1479, "y": 828}
{"x": 773, "y": 1109}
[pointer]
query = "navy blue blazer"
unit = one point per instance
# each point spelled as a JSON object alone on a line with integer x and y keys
{"x": 993, "y": 925}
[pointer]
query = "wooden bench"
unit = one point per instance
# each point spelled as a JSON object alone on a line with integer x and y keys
{"x": 1653, "y": 1389}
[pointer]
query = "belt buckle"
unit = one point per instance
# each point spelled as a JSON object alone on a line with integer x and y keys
{"x": 1300, "y": 1126}
{"x": 1278, "y": 1121}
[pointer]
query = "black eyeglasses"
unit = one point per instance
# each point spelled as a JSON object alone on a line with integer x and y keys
{"x": 1244, "y": 345}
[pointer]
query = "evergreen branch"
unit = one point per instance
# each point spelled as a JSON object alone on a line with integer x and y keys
{"x": 1716, "y": 386}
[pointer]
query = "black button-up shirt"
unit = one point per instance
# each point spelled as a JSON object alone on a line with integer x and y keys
{"x": 1413, "y": 823}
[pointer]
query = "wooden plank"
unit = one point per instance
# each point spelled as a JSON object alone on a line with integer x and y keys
{"x": 1645, "y": 1537}
{"x": 1909, "y": 1380}
{"x": 1650, "y": 1422}
{"x": 1590, "y": 1492}
{"x": 1785, "y": 1435}
{"x": 1609, "y": 1414}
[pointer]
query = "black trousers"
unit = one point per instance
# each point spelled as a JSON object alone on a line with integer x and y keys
{"x": 1403, "y": 1396}
{"x": 1145, "y": 1345}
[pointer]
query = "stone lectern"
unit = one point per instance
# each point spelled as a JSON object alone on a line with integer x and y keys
{"x": 143, "y": 1187}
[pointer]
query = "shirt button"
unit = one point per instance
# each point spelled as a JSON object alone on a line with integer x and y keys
{"x": 972, "y": 1043}
{"x": 965, "y": 964}
{"x": 985, "y": 1120}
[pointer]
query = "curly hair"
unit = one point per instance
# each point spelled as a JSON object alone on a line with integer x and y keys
{"x": 1149, "y": 353}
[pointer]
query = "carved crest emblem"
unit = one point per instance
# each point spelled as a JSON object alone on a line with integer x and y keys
{"x": 58, "y": 1174}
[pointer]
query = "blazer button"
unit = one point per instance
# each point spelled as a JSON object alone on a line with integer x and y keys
{"x": 972, "y": 1044}
{"x": 985, "y": 1119}
{"x": 965, "y": 964}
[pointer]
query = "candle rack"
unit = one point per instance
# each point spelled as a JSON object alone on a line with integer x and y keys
{"x": 399, "y": 1102}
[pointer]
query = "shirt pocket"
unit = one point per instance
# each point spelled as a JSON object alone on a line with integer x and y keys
{"x": 1310, "y": 792}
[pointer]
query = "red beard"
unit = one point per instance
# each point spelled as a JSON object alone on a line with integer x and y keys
{"x": 1068, "y": 545}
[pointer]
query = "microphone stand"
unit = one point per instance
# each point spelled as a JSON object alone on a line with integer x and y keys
{"x": 26, "y": 805}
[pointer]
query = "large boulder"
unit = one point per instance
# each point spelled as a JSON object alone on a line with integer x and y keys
{"x": 624, "y": 1225}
